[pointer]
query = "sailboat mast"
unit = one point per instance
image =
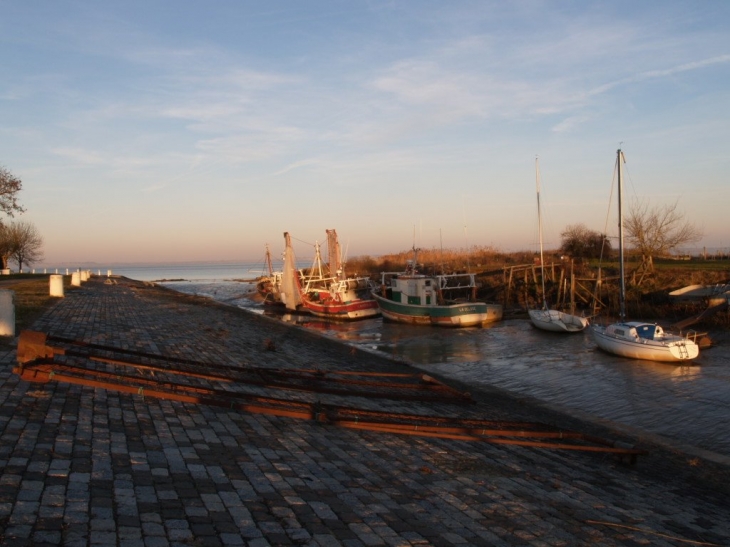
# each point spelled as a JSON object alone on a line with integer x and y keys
{"x": 334, "y": 255}
{"x": 268, "y": 261}
{"x": 622, "y": 278}
{"x": 539, "y": 231}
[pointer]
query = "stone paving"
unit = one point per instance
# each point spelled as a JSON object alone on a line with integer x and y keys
{"x": 85, "y": 466}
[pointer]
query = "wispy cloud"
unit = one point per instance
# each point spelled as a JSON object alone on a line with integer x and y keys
{"x": 298, "y": 165}
{"x": 154, "y": 188}
{"x": 80, "y": 156}
{"x": 569, "y": 123}
{"x": 660, "y": 73}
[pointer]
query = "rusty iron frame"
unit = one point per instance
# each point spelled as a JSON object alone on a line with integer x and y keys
{"x": 37, "y": 363}
{"x": 33, "y": 346}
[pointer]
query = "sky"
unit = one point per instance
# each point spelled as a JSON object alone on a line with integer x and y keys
{"x": 158, "y": 131}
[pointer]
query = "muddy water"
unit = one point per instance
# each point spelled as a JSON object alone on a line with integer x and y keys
{"x": 685, "y": 404}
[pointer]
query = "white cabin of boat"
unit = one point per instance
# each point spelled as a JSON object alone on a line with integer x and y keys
{"x": 636, "y": 330}
{"x": 426, "y": 290}
{"x": 418, "y": 290}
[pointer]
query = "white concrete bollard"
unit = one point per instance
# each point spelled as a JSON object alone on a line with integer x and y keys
{"x": 7, "y": 313}
{"x": 76, "y": 279}
{"x": 84, "y": 275}
{"x": 108, "y": 273}
{"x": 56, "y": 285}
{"x": 6, "y": 271}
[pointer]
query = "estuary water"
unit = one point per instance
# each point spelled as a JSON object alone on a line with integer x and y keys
{"x": 188, "y": 271}
{"x": 686, "y": 405}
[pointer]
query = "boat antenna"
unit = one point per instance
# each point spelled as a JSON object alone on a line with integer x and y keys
{"x": 268, "y": 261}
{"x": 622, "y": 279}
{"x": 441, "y": 242}
{"x": 466, "y": 237}
{"x": 539, "y": 231}
{"x": 414, "y": 265}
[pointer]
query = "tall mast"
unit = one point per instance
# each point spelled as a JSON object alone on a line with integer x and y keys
{"x": 289, "y": 278}
{"x": 622, "y": 279}
{"x": 334, "y": 255}
{"x": 268, "y": 261}
{"x": 539, "y": 230}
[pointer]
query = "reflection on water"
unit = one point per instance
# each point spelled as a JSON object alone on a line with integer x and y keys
{"x": 686, "y": 403}
{"x": 427, "y": 346}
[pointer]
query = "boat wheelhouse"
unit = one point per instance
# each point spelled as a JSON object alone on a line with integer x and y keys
{"x": 419, "y": 299}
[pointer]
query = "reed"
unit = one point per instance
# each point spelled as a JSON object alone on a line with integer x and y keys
{"x": 648, "y": 293}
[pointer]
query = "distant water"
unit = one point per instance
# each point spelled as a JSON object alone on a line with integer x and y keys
{"x": 686, "y": 404}
{"x": 190, "y": 271}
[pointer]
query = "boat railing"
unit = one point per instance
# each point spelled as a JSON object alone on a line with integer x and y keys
{"x": 353, "y": 283}
{"x": 445, "y": 281}
{"x": 387, "y": 276}
{"x": 311, "y": 282}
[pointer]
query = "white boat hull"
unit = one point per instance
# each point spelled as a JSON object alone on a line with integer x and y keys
{"x": 557, "y": 321}
{"x": 636, "y": 339}
{"x": 667, "y": 349}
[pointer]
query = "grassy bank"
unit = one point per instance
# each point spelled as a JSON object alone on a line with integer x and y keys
{"x": 648, "y": 294}
{"x": 32, "y": 298}
{"x": 512, "y": 280}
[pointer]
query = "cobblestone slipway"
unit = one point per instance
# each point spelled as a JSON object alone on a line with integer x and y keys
{"x": 85, "y": 466}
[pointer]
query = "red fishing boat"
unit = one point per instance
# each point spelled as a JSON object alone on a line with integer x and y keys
{"x": 326, "y": 291}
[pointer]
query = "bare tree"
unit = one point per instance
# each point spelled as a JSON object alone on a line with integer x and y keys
{"x": 580, "y": 242}
{"x": 10, "y": 185}
{"x": 6, "y": 245}
{"x": 659, "y": 230}
{"x": 26, "y": 243}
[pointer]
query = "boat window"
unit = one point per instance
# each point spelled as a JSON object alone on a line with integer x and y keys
{"x": 646, "y": 331}
{"x": 428, "y": 282}
{"x": 620, "y": 332}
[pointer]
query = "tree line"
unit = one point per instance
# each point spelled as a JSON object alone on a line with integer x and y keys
{"x": 20, "y": 241}
{"x": 653, "y": 232}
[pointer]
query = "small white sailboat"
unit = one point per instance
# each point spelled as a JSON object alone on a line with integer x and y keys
{"x": 546, "y": 318}
{"x": 636, "y": 339}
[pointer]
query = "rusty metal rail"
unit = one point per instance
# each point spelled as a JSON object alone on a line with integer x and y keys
{"x": 34, "y": 347}
{"x": 39, "y": 362}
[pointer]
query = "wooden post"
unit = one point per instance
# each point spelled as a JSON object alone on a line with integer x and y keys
{"x": 561, "y": 287}
{"x": 7, "y": 312}
{"x": 572, "y": 288}
{"x": 509, "y": 287}
{"x": 597, "y": 293}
